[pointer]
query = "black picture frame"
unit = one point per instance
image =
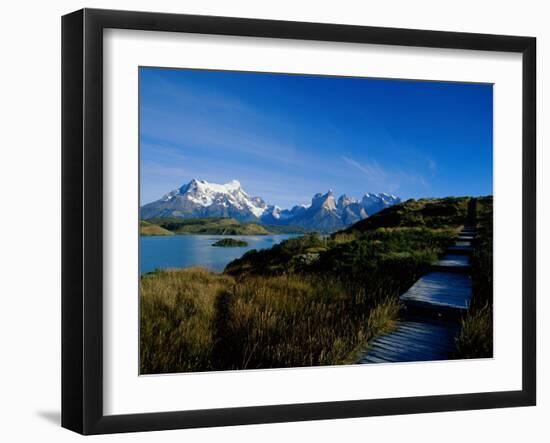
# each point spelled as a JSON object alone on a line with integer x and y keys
{"x": 82, "y": 218}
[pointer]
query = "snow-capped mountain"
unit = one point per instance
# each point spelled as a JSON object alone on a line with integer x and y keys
{"x": 373, "y": 203}
{"x": 328, "y": 214}
{"x": 199, "y": 198}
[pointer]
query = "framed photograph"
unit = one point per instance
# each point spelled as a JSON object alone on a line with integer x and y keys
{"x": 268, "y": 221}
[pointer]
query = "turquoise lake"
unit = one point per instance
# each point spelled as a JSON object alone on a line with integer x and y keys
{"x": 181, "y": 251}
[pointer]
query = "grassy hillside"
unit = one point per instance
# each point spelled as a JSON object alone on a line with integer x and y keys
{"x": 311, "y": 300}
{"x": 415, "y": 231}
{"x": 437, "y": 213}
{"x": 280, "y": 229}
{"x": 146, "y": 228}
{"x": 212, "y": 226}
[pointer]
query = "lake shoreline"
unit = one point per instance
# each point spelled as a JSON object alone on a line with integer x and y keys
{"x": 196, "y": 250}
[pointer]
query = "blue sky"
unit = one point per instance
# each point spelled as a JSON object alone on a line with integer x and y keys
{"x": 287, "y": 137}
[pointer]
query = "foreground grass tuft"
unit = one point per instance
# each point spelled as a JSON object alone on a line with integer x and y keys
{"x": 476, "y": 337}
{"x": 176, "y": 319}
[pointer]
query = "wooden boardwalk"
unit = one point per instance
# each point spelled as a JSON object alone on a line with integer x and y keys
{"x": 437, "y": 300}
{"x": 417, "y": 340}
{"x": 441, "y": 289}
{"x": 452, "y": 261}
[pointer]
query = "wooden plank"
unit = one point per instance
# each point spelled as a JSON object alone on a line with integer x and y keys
{"x": 444, "y": 280}
{"x": 453, "y": 260}
{"x": 374, "y": 356}
{"x": 446, "y": 346}
{"x": 386, "y": 356}
{"x": 400, "y": 354}
{"x": 448, "y": 268}
{"x": 427, "y": 334}
{"x": 420, "y": 339}
{"x": 394, "y": 342}
{"x": 441, "y": 339}
{"x": 441, "y": 289}
{"x": 373, "y": 359}
{"x": 445, "y": 343}
{"x": 401, "y": 357}
{"x": 435, "y": 304}
{"x": 379, "y": 355}
{"x": 463, "y": 243}
{"x": 404, "y": 347}
{"x": 447, "y": 296}
{"x": 426, "y": 330}
{"x": 456, "y": 259}
{"x": 460, "y": 250}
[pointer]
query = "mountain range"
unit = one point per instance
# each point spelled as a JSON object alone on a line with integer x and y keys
{"x": 199, "y": 198}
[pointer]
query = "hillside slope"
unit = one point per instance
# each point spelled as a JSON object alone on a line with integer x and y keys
{"x": 412, "y": 230}
{"x": 148, "y": 229}
{"x": 212, "y": 226}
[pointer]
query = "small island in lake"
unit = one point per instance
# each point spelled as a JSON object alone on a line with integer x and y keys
{"x": 230, "y": 243}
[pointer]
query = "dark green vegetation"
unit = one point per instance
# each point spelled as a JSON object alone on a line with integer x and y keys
{"x": 428, "y": 213}
{"x": 307, "y": 301}
{"x": 281, "y": 229}
{"x": 146, "y": 228}
{"x": 212, "y": 226}
{"x": 230, "y": 243}
{"x": 476, "y": 337}
{"x": 403, "y": 239}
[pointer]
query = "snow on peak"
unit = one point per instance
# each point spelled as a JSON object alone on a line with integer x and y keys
{"x": 202, "y": 198}
{"x": 205, "y": 194}
{"x": 205, "y": 186}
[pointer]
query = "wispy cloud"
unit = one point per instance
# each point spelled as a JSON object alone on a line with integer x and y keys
{"x": 197, "y": 133}
{"x": 432, "y": 166}
{"x": 385, "y": 179}
{"x": 372, "y": 169}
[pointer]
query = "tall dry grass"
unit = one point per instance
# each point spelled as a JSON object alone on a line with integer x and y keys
{"x": 289, "y": 321}
{"x": 193, "y": 320}
{"x": 177, "y": 314}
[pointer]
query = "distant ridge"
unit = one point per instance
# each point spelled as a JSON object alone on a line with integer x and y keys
{"x": 201, "y": 199}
